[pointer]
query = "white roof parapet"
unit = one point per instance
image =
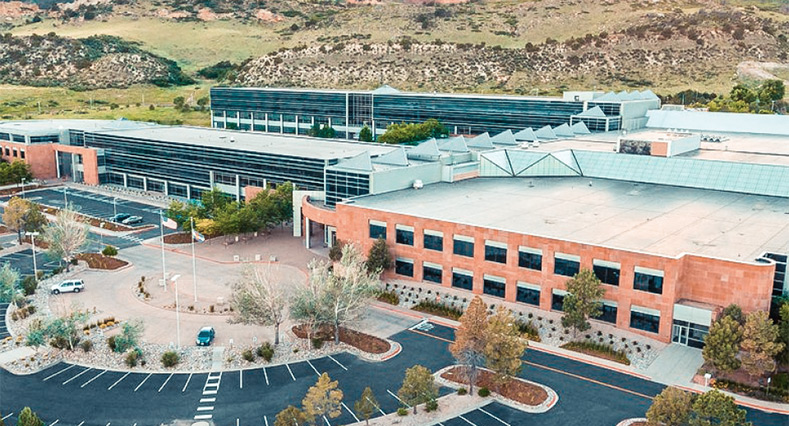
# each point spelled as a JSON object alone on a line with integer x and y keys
{"x": 526, "y": 134}
{"x": 563, "y": 131}
{"x": 580, "y": 128}
{"x": 545, "y": 133}
{"x": 504, "y": 138}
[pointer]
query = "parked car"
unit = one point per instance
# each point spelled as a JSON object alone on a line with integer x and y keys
{"x": 205, "y": 336}
{"x": 120, "y": 217}
{"x": 74, "y": 286}
{"x": 132, "y": 220}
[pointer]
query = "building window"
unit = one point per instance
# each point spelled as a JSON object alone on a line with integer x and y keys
{"x": 495, "y": 252}
{"x": 7, "y": 152}
{"x": 377, "y": 229}
{"x": 528, "y": 293}
{"x": 530, "y": 258}
{"x": 434, "y": 240}
{"x": 404, "y": 267}
{"x": 645, "y": 319}
{"x": 463, "y": 246}
{"x": 565, "y": 264}
{"x": 609, "y": 313}
{"x": 606, "y": 272}
{"x": 404, "y": 235}
{"x": 557, "y": 300}
{"x": 22, "y": 154}
{"x": 494, "y": 286}
{"x": 431, "y": 272}
{"x": 462, "y": 279}
{"x": 650, "y": 280}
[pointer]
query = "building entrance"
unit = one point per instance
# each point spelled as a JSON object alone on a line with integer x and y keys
{"x": 689, "y": 334}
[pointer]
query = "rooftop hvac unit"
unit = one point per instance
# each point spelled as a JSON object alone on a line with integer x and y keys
{"x": 524, "y": 145}
{"x": 418, "y": 184}
{"x": 232, "y": 139}
{"x": 535, "y": 144}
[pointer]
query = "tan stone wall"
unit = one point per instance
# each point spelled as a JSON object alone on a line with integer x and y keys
{"x": 41, "y": 158}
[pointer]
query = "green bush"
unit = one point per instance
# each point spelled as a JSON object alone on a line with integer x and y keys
{"x": 598, "y": 349}
{"x": 431, "y": 405}
{"x": 247, "y": 355}
{"x": 29, "y": 285}
{"x": 266, "y": 351}
{"x": 86, "y": 345}
{"x": 109, "y": 251}
{"x": 462, "y": 391}
{"x": 317, "y": 343}
{"x": 170, "y": 359}
{"x": 335, "y": 252}
{"x": 528, "y": 330}
{"x": 402, "y": 412}
{"x": 389, "y": 297}
{"x": 111, "y": 343}
{"x": 132, "y": 357}
{"x": 483, "y": 392}
{"x": 430, "y": 307}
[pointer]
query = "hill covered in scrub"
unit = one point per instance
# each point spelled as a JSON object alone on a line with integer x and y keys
{"x": 89, "y": 63}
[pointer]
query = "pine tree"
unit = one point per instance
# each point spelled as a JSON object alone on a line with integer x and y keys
{"x": 783, "y": 357}
{"x": 471, "y": 338}
{"x": 582, "y": 301}
{"x": 322, "y": 399}
{"x": 418, "y": 386}
{"x": 366, "y": 406}
{"x": 722, "y": 344}
{"x": 290, "y": 416}
{"x": 759, "y": 344}
{"x": 716, "y": 408}
{"x": 28, "y": 418}
{"x": 504, "y": 346}
{"x": 670, "y": 408}
{"x": 379, "y": 258}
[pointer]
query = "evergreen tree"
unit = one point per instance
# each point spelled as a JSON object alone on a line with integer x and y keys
{"x": 734, "y": 312}
{"x": 670, "y": 408}
{"x": 722, "y": 344}
{"x": 584, "y": 291}
{"x": 290, "y": 416}
{"x": 366, "y": 406}
{"x": 716, "y": 408}
{"x": 759, "y": 344}
{"x": 504, "y": 346}
{"x": 471, "y": 338}
{"x": 418, "y": 386}
{"x": 322, "y": 399}
{"x": 28, "y": 418}
{"x": 783, "y": 357}
{"x": 366, "y": 134}
{"x": 379, "y": 258}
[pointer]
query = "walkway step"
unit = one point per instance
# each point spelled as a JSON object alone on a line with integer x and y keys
{"x": 218, "y": 358}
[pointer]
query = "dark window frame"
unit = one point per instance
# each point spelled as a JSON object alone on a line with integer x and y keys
{"x": 494, "y": 288}
{"x": 647, "y": 282}
{"x": 431, "y": 275}
{"x": 404, "y": 237}
{"x": 557, "y": 302}
{"x": 457, "y": 283}
{"x": 529, "y": 260}
{"x": 402, "y": 267}
{"x": 462, "y": 248}
{"x": 496, "y": 254}
{"x": 528, "y": 296}
{"x": 606, "y": 274}
{"x": 644, "y": 322}
{"x": 377, "y": 231}
{"x": 563, "y": 267}
{"x": 433, "y": 242}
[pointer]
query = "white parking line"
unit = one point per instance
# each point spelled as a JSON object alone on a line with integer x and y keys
{"x": 203, "y": 416}
{"x": 204, "y": 400}
{"x": 165, "y": 382}
{"x": 314, "y": 369}
{"x": 206, "y": 408}
{"x": 54, "y": 423}
{"x": 61, "y": 371}
{"x": 7, "y": 416}
{"x": 83, "y": 422}
{"x": 291, "y": 372}
{"x": 143, "y": 381}
{"x": 187, "y": 383}
{"x": 81, "y": 373}
{"x": 349, "y": 410}
{"x": 491, "y": 415}
{"x": 398, "y": 398}
{"x": 94, "y": 378}
{"x": 241, "y": 379}
{"x": 118, "y": 381}
{"x": 265, "y": 420}
{"x": 324, "y": 418}
{"x": 338, "y": 362}
{"x": 466, "y": 420}
{"x": 265, "y": 375}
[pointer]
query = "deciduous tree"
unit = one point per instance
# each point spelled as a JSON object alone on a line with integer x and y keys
{"x": 9, "y": 284}
{"x": 722, "y": 344}
{"x": 759, "y": 344}
{"x": 65, "y": 329}
{"x": 504, "y": 346}
{"x": 15, "y": 215}
{"x": 259, "y": 298}
{"x": 290, "y": 416}
{"x": 129, "y": 337}
{"x": 379, "y": 258}
{"x": 366, "y": 406}
{"x": 66, "y": 235}
{"x": 322, "y": 399}
{"x": 584, "y": 292}
{"x": 670, "y": 408}
{"x": 470, "y": 339}
{"x": 306, "y": 304}
{"x": 418, "y": 386}
{"x": 716, "y": 408}
{"x": 366, "y": 135}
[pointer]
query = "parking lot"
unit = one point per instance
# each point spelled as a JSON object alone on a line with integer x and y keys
{"x": 23, "y": 261}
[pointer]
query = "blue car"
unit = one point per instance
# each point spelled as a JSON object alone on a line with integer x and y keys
{"x": 205, "y": 336}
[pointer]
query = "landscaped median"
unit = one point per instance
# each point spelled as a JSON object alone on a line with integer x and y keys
{"x": 365, "y": 346}
{"x": 518, "y": 393}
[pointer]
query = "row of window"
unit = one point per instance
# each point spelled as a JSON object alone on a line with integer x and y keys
{"x": 566, "y": 265}
{"x": 13, "y": 152}
{"x": 641, "y": 319}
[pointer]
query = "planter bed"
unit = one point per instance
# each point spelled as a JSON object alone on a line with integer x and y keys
{"x": 515, "y": 390}
{"x": 100, "y": 261}
{"x": 363, "y": 342}
{"x": 92, "y": 221}
{"x": 437, "y": 309}
{"x": 598, "y": 351}
{"x": 183, "y": 238}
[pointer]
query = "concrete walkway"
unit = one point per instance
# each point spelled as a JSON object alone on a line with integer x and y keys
{"x": 21, "y": 352}
{"x": 676, "y": 365}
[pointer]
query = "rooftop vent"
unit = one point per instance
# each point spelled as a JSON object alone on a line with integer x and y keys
{"x": 418, "y": 184}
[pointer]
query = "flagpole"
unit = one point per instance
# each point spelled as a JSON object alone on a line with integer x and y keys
{"x": 164, "y": 268}
{"x": 194, "y": 262}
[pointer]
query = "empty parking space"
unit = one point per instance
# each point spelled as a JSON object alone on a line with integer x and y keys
{"x": 23, "y": 261}
{"x": 301, "y": 370}
{"x": 94, "y": 204}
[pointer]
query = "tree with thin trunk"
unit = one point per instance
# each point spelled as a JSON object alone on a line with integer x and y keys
{"x": 28, "y": 418}
{"x": 66, "y": 235}
{"x": 470, "y": 339}
{"x": 366, "y": 406}
{"x": 716, "y": 408}
{"x": 722, "y": 344}
{"x": 322, "y": 399}
{"x": 759, "y": 344}
{"x": 671, "y": 407}
{"x": 305, "y": 305}
{"x": 349, "y": 289}
{"x": 259, "y": 298}
{"x": 418, "y": 386}
{"x": 290, "y": 416}
{"x": 15, "y": 214}
{"x": 9, "y": 289}
{"x": 584, "y": 291}
{"x": 504, "y": 346}
{"x": 379, "y": 258}
{"x": 66, "y": 329}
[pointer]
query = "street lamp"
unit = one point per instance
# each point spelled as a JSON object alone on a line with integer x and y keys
{"x": 65, "y": 200}
{"x": 33, "y": 236}
{"x": 115, "y": 206}
{"x": 174, "y": 279}
{"x": 23, "y": 187}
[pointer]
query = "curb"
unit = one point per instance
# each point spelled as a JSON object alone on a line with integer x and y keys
{"x": 628, "y": 422}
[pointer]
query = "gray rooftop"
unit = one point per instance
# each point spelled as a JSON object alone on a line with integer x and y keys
{"x": 656, "y": 219}
{"x": 48, "y": 127}
{"x": 293, "y": 146}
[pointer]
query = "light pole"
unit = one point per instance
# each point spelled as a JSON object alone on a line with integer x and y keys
{"x": 23, "y": 187}
{"x": 115, "y": 206}
{"x": 33, "y": 236}
{"x": 174, "y": 279}
{"x": 65, "y": 199}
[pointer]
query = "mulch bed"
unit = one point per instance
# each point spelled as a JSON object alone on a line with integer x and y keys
{"x": 361, "y": 341}
{"x": 4, "y": 229}
{"x": 592, "y": 352}
{"x": 112, "y": 226}
{"x": 40, "y": 244}
{"x": 183, "y": 238}
{"x": 100, "y": 261}
{"x": 515, "y": 390}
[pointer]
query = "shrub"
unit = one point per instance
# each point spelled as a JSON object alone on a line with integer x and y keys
{"x": 430, "y": 307}
{"x": 86, "y": 345}
{"x": 247, "y": 355}
{"x": 431, "y": 405}
{"x": 109, "y": 251}
{"x": 317, "y": 343}
{"x": 483, "y": 392}
{"x": 599, "y": 349}
{"x": 389, "y": 297}
{"x": 266, "y": 351}
{"x": 111, "y": 343}
{"x": 462, "y": 391}
{"x": 131, "y": 357}
{"x": 335, "y": 252}
{"x": 170, "y": 359}
{"x": 402, "y": 412}
{"x": 29, "y": 285}
{"x": 528, "y": 330}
